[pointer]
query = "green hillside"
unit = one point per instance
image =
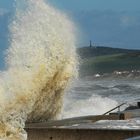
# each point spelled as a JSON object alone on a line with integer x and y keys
{"x": 108, "y": 63}
{"x": 87, "y": 52}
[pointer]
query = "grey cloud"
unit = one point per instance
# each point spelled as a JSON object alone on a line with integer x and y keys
{"x": 119, "y": 29}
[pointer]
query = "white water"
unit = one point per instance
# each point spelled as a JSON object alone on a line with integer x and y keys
{"x": 95, "y": 105}
{"x": 41, "y": 60}
{"x": 94, "y": 97}
{"x": 86, "y": 98}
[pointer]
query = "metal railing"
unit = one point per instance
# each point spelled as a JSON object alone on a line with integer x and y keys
{"x": 117, "y": 107}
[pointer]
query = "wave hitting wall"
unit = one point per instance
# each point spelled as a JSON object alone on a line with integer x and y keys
{"x": 40, "y": 62}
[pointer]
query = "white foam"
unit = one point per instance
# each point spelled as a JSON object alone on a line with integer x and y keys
{"x": 40, "y": 61}
{"x": 95, "y": 105}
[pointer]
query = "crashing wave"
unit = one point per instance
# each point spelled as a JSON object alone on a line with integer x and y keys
{"x": 41, "y": 60}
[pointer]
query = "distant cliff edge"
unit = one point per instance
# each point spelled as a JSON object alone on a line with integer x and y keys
{"x": 100, "y": 60}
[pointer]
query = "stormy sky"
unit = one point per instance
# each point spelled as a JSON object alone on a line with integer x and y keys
{"x": 114, "y": 23}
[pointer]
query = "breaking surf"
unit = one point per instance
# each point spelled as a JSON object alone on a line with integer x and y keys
{"x": 41, "y": 61}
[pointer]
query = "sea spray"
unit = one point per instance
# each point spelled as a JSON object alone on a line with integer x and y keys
{"x": 40, "y": 61}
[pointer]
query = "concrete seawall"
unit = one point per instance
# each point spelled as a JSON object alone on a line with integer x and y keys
{"x": 80, "y": 134}
{"x": 83, "y": 128}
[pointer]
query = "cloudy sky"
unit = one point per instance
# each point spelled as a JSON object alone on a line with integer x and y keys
{"x": 118, "y": 5}
{"x": 78, "y": 5}
{"x": 114, "y": 23}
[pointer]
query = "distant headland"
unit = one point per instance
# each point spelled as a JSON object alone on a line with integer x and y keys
{"x": 102, "y": 60}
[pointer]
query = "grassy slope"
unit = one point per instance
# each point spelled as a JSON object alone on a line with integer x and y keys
{"x": 87, "y": 52}
{"x": 110, "y": 63}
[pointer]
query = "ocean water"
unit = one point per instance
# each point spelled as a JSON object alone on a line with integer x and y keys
{"x": 94, "y": 97}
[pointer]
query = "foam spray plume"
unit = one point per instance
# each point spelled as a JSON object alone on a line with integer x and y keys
{"x": 40, "y": 60}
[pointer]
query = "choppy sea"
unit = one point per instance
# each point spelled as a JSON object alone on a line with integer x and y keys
{"x": 97, "y": 96}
